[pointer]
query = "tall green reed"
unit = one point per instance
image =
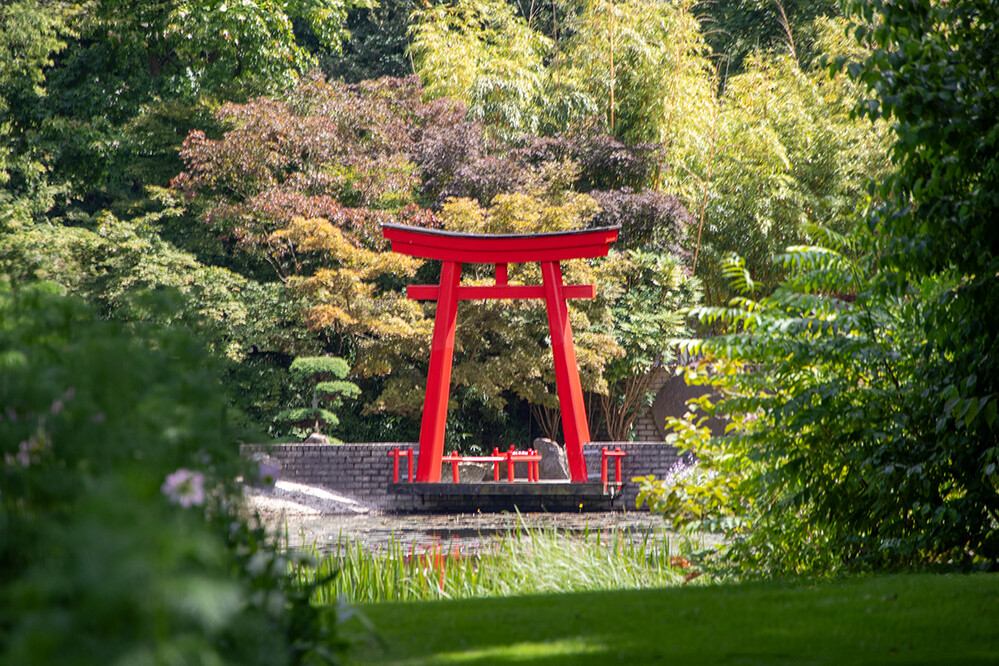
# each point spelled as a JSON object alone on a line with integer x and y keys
{"x": 526, "y": 561}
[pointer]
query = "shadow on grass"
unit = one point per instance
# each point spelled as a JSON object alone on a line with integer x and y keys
{"x": 912, "y": 619}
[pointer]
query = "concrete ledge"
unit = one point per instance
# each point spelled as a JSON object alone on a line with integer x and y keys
{"x": 505, "y": 496}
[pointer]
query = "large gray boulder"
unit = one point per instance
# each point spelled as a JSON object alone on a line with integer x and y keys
{"x": 553, "y": 465}
{"x": 672, "y": 401}
{"x": 317, "y": 438}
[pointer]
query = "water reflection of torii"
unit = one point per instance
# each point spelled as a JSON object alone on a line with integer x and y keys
{"x": 454, "y": 249}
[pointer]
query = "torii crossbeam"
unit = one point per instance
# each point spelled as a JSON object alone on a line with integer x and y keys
{"x": 454, "y": 249}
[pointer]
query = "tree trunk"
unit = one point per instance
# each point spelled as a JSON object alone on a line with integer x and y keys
{"x": 620, "y": 416}
{"x": 549, "y": 419}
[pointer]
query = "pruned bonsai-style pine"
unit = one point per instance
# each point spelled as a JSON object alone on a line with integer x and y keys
{"x": 327, "y": 377}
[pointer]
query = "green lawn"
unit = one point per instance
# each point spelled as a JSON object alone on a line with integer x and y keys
{"x": 911, "y": 619}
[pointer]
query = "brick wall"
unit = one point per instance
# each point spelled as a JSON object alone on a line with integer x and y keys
{"x": 360, "y": 471}
{"x": 644, "y": 425}
{"x": 364, "y": 471}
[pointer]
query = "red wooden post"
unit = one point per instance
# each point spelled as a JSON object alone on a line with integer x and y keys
{"x": 570, "y": 392}
{"x": 394, "y": 454}
{"x": 509, "y": 465}
{"x": 603, "y": 467}
{"x": 397, "y": 453}
{"x": 617, "y": 466}
{"x": 496, "y": 464}
{"x": 454, "y": 467}
{"x": 616, "y": 454}
{"x": 439, "y": 376}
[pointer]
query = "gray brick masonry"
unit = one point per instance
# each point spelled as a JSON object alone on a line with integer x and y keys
{"x": 644, "y": 427}
{"x": 364, "y": 471}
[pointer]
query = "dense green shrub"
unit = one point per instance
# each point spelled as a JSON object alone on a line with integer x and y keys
{"x": 122, "y": 538}
{"x": 866, "y": 384}
{"x": 831, "y": 459}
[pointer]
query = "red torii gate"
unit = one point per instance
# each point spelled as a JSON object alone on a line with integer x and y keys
{"x": 454, "y": 249}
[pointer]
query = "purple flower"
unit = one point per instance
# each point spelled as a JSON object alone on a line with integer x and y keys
{"x": 59, "y": 403}
{"x": 24, "y": 454}
{"x": 28, "y": 450}
{"x": 267, "y": 475}
{"x": 185, "y": 488}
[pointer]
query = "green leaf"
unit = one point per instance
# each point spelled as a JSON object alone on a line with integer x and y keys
{"x": 971, "y": 411}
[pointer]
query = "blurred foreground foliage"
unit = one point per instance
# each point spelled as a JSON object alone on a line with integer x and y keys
{"x": 123, "y": 538}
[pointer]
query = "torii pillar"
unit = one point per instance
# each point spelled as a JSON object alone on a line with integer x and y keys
{"x": 454, "y": 249}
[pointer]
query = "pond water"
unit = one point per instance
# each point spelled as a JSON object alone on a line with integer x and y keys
{"x": 308, "y": 518}
{"x": 471, "y": 532}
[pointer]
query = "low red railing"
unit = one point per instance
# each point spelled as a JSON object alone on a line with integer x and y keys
{"x": 531, "y": 457}
{"x": 397, "y": 453}
{"x": 616, "y": 454}
{"x": 495, "y": 459}
{"x": 511, "y": 457}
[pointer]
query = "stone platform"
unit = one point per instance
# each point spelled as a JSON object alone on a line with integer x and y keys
{"x": 492, "y": 497}
{"x": 364, "y": 472}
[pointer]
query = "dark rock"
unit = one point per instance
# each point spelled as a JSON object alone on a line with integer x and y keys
{"x": 672, "y": 401}
{"x": 553, "y": 465}
{"x": 317, "y": 438}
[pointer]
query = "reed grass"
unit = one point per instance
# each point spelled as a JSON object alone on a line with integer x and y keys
{"x": 527, "y": 561}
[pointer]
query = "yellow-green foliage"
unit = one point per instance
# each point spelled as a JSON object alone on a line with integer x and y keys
{"x": 481, "y": 53}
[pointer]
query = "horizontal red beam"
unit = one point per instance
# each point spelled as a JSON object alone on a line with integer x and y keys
{"x": 500, "y": 257}
{"x": 430, "y": 292}
{"x": 499, "y": 248}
